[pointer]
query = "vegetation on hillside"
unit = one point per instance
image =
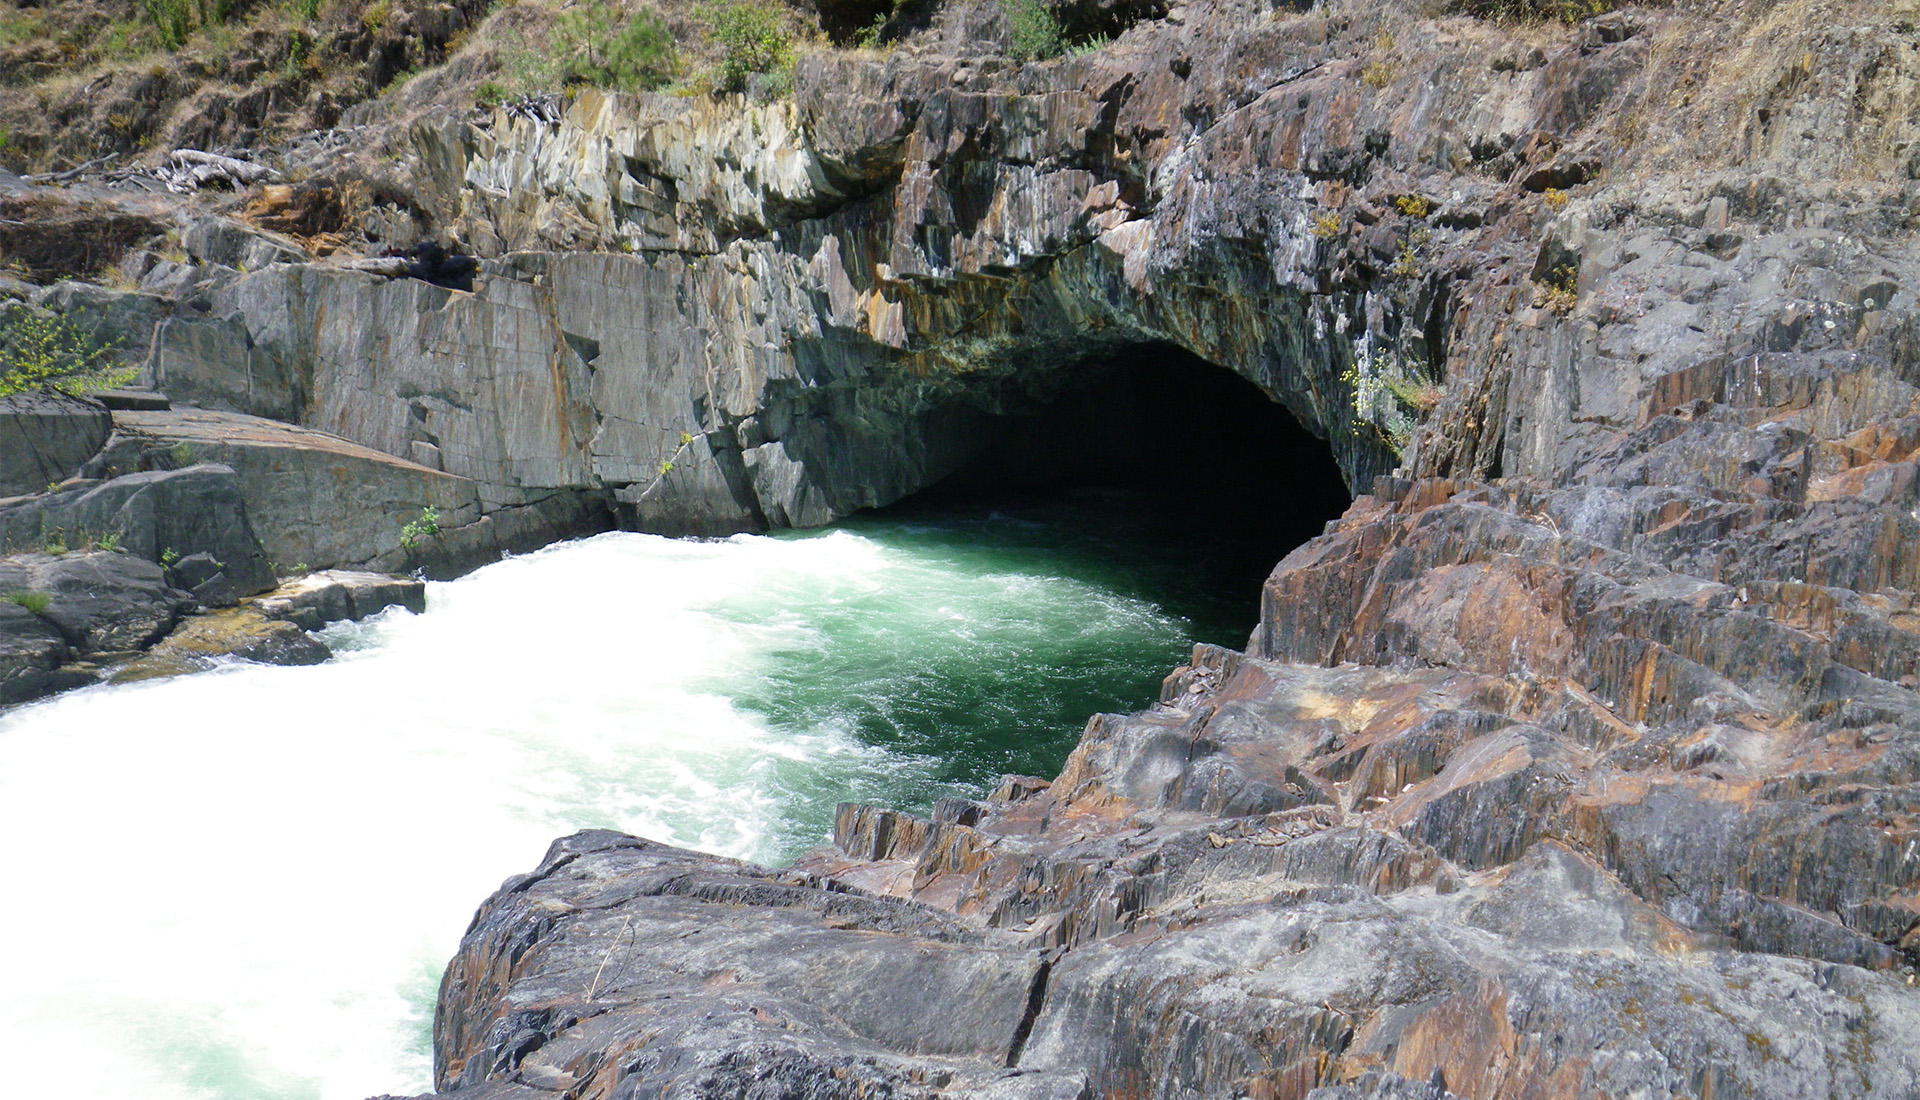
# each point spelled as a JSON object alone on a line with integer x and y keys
{"x": 40, "y": 350}
{"x": 86, "y": 79}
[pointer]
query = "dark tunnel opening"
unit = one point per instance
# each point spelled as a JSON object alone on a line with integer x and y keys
{"x": 1156, "y": 453}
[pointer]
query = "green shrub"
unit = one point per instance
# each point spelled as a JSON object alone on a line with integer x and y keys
{"x": 176, "y": 20}
{"x": 868, "y": 37}
{"x": 42, "y": 350}
{"x": 125, "y": 39}
{"x": 21, "y": 25}
{"x": 1566, "y": 11}
{"x": 35, "y": 602}
{"x": 417, "y": 531}
{"x": 752, "y": 40}
{"x": 523, "y": 68}
{"x": 172, "y": 18}
{"x": 637, "y": 55}
{"x": 1037, "y": 34}
{"x": 375, "y": 16}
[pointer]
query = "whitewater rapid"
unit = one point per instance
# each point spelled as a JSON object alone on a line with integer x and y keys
{"x": 244, "y": 884}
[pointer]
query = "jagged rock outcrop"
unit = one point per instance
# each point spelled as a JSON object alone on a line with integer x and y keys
{"x": 96, "y": 571}
{"x": 63, "y": 610}
{"x": 46, "y": 438}
{"x": 804, "y": 983}
{"x": 155, "y": 514}
{"x": 1578, "y": 759}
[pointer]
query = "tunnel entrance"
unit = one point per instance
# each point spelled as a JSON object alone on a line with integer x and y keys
{"x": 1190, "y": 478}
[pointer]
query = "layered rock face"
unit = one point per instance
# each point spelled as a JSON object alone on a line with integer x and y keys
{"x": 1580, "y": 758}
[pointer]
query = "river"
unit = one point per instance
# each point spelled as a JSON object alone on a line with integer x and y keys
{"x": 243, "y": 884}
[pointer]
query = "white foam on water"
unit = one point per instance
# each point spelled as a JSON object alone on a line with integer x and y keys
{"x": 242, "y": 885}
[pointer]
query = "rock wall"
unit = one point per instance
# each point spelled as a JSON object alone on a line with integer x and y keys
{"x": 1578, "y": 759}
{"x": 1363, "y": 210}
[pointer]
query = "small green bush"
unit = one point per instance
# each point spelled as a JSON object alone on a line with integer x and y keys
{"x": 418, "y": 531}
{"x": 1037, "y": 34}
{"x": 176, "y": 20}
{"x": 752, "y": 39}
{"x": 43, "y": 350}
{"x": 214, "y": 12}
{"x": 21, "y": 25}
{"x": 868, "y": 37}
{"x": 35, "y": 602}
{"x": 525, "y": 68}
{"x": 1516, "y": 11}
{"x": 172, "y": 18}
{"x": 637, "y": 55}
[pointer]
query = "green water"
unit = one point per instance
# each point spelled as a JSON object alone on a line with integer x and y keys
{"x": 1000, "y": 629}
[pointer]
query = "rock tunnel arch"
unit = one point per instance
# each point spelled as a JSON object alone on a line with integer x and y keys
{"x": 843, "y": 434}
{"x": 1142, "y": 429}
{"x": 1207, "y": 445}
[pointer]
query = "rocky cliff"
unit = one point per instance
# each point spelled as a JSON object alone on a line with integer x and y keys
{"x": 1580, "y": 758}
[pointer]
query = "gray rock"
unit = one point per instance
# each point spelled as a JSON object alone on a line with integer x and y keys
{"x": 31, "y": 654}
{"x": 204, "y": 576}
{"x": 194, "y": 569}
{"x": 223, "y": 241}
{"x": 837, "y": 994}
{"x": 46, "y": 438}
{"x": 100, "y": 602}
{"x": 122, "y": 320}
{"x": 332, "y": 595}
{"x": 143, "y": 400}
{"x": 209, "y": 362}
{"x": 194, "y": 510}
{"x": 317, "y": 499}
{"x": 237, "y": 632}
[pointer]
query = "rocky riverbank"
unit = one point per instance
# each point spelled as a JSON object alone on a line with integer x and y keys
{"x": 96, "y": 571}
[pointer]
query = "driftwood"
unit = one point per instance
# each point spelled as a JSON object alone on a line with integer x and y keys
{"x": 188, "y": 170}
{"x": 185, "y": 171}
{"x": 71, "y": 173}
{"x": 546, "y": 109}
